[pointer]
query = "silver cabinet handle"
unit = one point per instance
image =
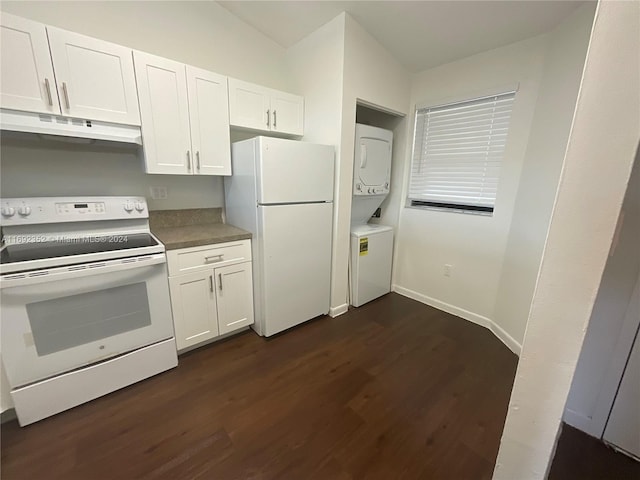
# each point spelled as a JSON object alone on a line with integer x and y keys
{"x": 275, "y": 119}
{"x": 188, "y": 160}
{"x": 48, "y": 86}
{"x": 66, "y": 95}
{"x": 268, "y": 117}
{"x": 211, "y": 283}
{"x": 220, "y": 280}
{"x": 198, "y": 159}
{"x": 210, "y": 257}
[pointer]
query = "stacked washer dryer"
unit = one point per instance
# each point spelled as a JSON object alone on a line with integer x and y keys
{"x": 371, "y": 244}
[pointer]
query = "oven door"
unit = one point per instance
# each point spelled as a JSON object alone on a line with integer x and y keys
{"x": 60, "y": 319}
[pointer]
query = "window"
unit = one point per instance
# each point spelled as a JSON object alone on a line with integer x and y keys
{"x": 457, "y": 153}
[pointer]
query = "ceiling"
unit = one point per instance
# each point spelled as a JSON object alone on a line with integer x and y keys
{"x": 420, "y": 34}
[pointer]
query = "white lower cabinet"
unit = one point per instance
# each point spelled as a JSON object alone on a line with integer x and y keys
{"x": 211, "y": 291}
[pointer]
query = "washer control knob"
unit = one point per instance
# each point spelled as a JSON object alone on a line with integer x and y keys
{"x": 139, "y": 206}
{"x": 128, "y": 207}
{"x": 25, "y": 210}
{"x": 8, "y": 211}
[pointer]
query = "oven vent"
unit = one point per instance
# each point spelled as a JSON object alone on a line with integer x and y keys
{"x": 40, "y": 273}
{"x": 17, "y": 276}
{"x": 97, "y": 265}
{"x": 144, "y": 259}
{"x": 128, "y": 260}
{"x": 76, "y": 268}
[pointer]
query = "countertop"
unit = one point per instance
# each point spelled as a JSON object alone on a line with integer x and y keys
{"x": 192, "y": 228}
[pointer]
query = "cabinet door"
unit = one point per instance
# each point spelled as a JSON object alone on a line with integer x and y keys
{"x": 287, "y": 113}
{"x": 194, "y": 308}
{"x": 209, "y": 114}
{"x": 164, "y": 108}
{"x": 234, "y": 292}
{"x": 249, "y": 105}
{"x": 95, "y": 78}
{"x": 26, "y": 73}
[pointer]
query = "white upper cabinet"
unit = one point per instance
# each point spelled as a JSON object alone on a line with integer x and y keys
{"x": 26, "y": 71}
{"x": 249, "y": 105}
{"x": 48, "y": 70}
{"x": 209, "y": 116}
{"x": 164, "y": 109}
{"x": 185, "y": 117}
{"x": 287, "y": 113}
{"x": 95, "y": 78}
{"x": 260, "y": 108}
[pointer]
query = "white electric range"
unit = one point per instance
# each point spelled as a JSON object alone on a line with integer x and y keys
{"x": 84, "y": 300}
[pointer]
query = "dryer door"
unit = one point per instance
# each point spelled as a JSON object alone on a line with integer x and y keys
{"x": 372, "y": 163}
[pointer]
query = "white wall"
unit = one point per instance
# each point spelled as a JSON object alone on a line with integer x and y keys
{"x": 474, "y": 245}
{"x": 611, "y": 332}
{"x": 316, "y": 68}
{"x": 371, "y": 75}
{"x": 202, "y": 34}
{"x": 36, "y": 168}
{"x": 542, "y": 165}
{"x": 602, "y": 146}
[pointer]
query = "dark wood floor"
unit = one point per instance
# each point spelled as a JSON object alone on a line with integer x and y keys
{"x": 581, "y": 457}
{"x": 392, "y": 390}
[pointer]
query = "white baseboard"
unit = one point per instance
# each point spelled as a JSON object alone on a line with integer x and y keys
{"x": 507, "y": 339}
{"x": 445, "y": 307}
{"x": 339, "y": 310}
{"x": 481, "y": 320}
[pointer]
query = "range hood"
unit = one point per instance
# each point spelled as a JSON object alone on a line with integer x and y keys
{"x": 48, "y": 126}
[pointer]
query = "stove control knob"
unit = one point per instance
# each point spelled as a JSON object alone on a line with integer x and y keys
{"x": 8, "y": 211}
{"x": 25, "y": 210}
{"x": 128, "y": 207}
{"x": 139, "y": 206}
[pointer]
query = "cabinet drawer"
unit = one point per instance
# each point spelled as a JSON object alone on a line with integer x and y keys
{"x": 207, "y": 256}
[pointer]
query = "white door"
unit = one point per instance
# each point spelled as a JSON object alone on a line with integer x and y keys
{"x": 371, "y": 258}
{"x": 194, "y": 308}
{"x": 249, "y": 105}
{"x": 287, "y": 113}
{"x": 291, "y": 171}
{"x": 164, "y": 107}
{"x": 209, "y": 114}
{"x": 26, "y": 72}
{"x": 623, "y": 426}
{"x": 95, "y": 78}
{"x": 234, "y": 293}
{"x": 296, "y": 263}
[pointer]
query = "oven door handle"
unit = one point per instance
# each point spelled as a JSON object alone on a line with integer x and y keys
{"x": 73, "y": 272}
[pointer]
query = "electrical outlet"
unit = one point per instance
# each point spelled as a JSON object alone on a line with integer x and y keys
{"x": 159, "y": 193}
{"x": 447, "y": 270}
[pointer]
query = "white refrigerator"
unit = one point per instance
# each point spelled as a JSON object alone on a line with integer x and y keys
{"x": 282, "y": 192}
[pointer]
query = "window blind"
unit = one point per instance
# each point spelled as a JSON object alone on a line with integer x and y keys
{"x": 458, "y": 150}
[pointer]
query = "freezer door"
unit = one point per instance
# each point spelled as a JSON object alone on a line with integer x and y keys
{"x": 291, "y": 171}
{"x": 296, "y": 264}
